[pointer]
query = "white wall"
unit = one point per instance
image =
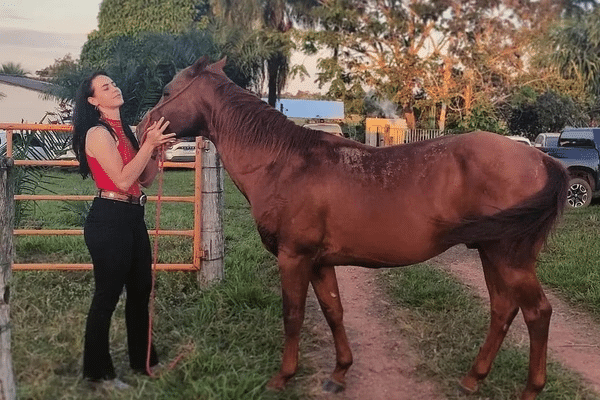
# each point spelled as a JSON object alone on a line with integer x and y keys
{"x": 22, "y": 104}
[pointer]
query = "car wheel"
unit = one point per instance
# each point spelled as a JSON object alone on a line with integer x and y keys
{"x": 579, "y": 193}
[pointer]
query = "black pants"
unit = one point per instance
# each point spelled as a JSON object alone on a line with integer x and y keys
{"x": 117, "y": 238}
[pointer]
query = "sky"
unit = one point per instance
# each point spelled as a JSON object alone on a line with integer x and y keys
{"x": 34, "y": 33}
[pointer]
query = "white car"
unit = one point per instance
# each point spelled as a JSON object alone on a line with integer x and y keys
{"x": 334, "y": 129}
{"x": 183, "y": 151}
{"x": 547, "y": 139}
{"x": 521, "y": 139}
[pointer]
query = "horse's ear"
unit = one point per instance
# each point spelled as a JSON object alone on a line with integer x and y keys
{"x": 199, "y": 65}
{"x": 218, "y": 66}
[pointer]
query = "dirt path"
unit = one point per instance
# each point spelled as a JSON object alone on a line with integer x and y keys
{"x": 384, "y": 363}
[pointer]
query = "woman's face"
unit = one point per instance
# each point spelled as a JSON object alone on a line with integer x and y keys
{"x": 106, "y": 94}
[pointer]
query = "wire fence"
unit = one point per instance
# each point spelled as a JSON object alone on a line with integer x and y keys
{"x": 388, "y": 136}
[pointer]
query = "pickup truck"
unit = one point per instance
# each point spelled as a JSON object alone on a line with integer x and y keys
{"x": 578, "y": 149}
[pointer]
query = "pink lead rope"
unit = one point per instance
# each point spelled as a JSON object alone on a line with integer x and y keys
{"x": 161, "y": 161}
{"x": 189, "y": 347}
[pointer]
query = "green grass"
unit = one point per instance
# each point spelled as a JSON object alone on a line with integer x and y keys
{"x": 450, "y": 324}
{"x": 571, "y": 262}
{"x": 230, "y": 333}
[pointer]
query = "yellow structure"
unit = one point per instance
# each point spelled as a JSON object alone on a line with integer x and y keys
{"x": 385, "y": 131}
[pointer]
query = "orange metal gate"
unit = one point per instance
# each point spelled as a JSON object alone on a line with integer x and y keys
{"x": 196, "y": 199}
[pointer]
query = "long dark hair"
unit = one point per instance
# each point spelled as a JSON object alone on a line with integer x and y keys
{"x": 86, "y": 116}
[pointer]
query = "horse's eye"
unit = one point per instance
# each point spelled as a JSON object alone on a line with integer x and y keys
{"x": 165, "y": 94}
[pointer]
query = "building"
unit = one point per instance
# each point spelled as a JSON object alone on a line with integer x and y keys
{"x": 303, "y": 111}
{"x": 23, "y": 100}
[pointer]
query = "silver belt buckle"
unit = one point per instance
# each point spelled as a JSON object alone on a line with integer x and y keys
{"x": 143, "y": 199}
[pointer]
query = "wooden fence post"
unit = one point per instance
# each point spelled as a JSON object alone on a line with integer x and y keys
{"x": 213, "y": 240}
{"x": 8, "y": 390}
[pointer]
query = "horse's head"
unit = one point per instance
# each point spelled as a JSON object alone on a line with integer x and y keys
{"x": 180, "y": 103}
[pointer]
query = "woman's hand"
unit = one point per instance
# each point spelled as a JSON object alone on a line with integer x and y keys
{"x": 155, "y": 135}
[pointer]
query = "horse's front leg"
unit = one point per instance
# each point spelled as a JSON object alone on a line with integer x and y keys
{"x": 295, "y": 271}
{"x": 325, "y": 284}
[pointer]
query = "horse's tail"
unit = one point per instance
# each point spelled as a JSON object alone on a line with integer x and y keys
{"x": 523, "y": 226}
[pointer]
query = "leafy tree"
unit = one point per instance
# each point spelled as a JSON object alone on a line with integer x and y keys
{"x": 440, "y": 56}
{"x": 128, "y": 17}
{"x": 269, "y": 21}
{"x": 576, "y": 48}
{"x": 140, "y": 65}
{"x": 549, "y": 112}
{"x": 119, "y": 18}
{"x": 60, "y": 64}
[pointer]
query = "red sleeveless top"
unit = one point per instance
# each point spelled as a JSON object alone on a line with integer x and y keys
{"x": 127, "y": 152}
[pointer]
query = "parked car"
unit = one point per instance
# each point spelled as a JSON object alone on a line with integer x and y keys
{"x": 546, "y": 139}
{"x": 68, "y": 155}
{"x": 183, "y": 151}
{"x": 520, "y": 139}
{"x": 334, "y": 129}
{"x": 578, "y": 149}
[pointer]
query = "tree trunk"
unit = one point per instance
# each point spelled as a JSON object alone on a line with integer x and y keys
{"x": 8, "y": 389}
{"x": 442, "y": 120}
{"x": 272, "y": 71}
{"x": 447, "y": 77}
{"x": 468, "y": 93}
{"x": 409, "y": 116}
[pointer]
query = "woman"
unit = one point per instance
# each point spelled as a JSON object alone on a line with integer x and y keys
{"x": 114, "y": 231}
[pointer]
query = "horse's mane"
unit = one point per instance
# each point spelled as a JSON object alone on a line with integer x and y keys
{"x": 246, "y": 120}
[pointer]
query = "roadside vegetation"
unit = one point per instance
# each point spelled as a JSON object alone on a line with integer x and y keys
{"x": 230, "y": 334}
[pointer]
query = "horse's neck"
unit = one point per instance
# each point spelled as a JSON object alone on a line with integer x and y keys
{"x": 246, "y": 166}
{"x": 250, "y": 173}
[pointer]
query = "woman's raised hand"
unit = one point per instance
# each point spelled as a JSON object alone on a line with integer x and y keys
{"x": 155, "y": 135}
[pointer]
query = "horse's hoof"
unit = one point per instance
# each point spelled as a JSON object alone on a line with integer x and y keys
{"x": 275, "y": 385}
{"x": 333, "y": 386}
{"x": 466, "y": 389}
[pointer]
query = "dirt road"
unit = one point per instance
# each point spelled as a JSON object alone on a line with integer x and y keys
{"x": 384, "y": 363}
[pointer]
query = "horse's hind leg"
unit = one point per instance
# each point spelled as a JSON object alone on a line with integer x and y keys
{"x": 325, "y": 284}
{"x": 503, "y": 309}
{"x": 295, "y": 274}
{"x": 536, "y": 311}
{"x": 512, "y": 287}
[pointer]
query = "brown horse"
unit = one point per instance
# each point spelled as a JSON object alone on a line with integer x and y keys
{"x": 320, "y": 200}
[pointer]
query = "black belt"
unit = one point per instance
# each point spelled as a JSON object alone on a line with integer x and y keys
{"x": 124, "y": 197}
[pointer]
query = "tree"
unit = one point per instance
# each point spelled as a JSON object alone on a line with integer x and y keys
{"x": 140, "y": 65}
{"x": 128, "y": 17}
{"x": 548, "y": 112}
{"x": 60, "y": 64}
{"x": 430, "y": 55}
{"x": 120, "y": 18}
{"x": 575, "y": 46}
{"x": 270, "y": 22}
{"x": 142, "y": 62}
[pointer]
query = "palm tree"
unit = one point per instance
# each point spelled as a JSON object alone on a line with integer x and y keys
{"x": 576, "y": 48}
{"x": 272, "y": 19}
